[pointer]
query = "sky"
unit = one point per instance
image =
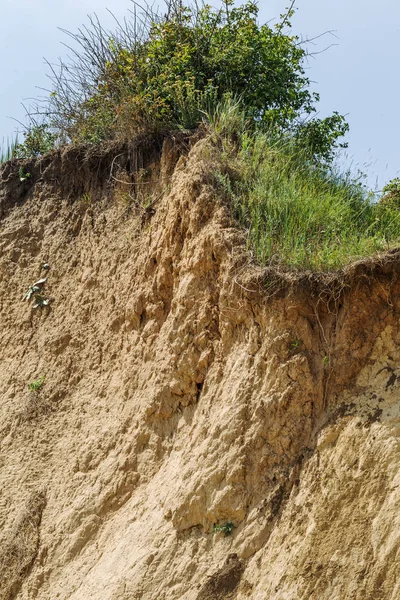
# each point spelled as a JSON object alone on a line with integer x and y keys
{"x": 357, "y": 76}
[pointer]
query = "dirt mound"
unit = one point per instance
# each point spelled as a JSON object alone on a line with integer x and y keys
{"x": 187, "y": 433}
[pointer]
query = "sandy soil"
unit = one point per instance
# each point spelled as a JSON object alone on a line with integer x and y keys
{"x": 180, "y": 394}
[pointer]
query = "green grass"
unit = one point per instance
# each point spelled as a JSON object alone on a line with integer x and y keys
{"x": 298, "y": 214}
{"x": 226, "y": 529}
{"x": 7, "y": 149}
{"x": 37, "y": 384}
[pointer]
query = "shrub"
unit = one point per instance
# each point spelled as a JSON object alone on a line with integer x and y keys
{"x": 391, "y": 193}
{"x": 38, "y": 140}
{"x": 392, "y": 186}
{"x": 320, "y": 136}
{"x": 158, "y": 72}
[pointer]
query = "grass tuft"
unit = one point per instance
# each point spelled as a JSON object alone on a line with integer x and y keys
{"x": 37, "y": 384}
{"x": 7, "y": 149}
{"x": 19, "y": 547}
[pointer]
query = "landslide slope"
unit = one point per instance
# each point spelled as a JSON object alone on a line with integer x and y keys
{"x": 186, "y": 388}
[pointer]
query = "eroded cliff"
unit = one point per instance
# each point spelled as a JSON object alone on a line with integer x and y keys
{"x": 187, "y": 388}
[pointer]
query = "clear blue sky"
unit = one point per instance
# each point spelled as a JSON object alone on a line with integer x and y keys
{"x": 359, "y": 76}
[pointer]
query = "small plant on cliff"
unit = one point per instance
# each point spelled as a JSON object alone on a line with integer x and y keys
{"x": 22, "y": 175}
{"x": 34, "y": 288}
{"x": 36, "y": 385}
{"x": 295, "y": 345}
{"x": 86, "y": 198}
{"x": 226, "y": 528}
{"x": 31, "y": 291}
{"x": 41, "y": 301}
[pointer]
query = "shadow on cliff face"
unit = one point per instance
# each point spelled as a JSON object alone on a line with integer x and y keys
{"x": 19, "y": 548}
{"x": 222, "y": 584}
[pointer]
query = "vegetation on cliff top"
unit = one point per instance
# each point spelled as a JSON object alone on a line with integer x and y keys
{"x": 159, "y": 72}
{"x": 297, "y": 212}
{"x": 7, "y": 149}
{"x": 218, "y": 67}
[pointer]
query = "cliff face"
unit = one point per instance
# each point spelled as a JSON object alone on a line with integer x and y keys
{"x": 185, "y": 388}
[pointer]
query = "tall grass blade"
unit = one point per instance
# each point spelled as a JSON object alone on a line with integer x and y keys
{"x": 7, "y": 149}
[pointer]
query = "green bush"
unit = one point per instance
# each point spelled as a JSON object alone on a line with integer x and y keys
{"x": 391, "y": 193}
{"x": 163, "y": 72}
{"x": 392, "y": 186}
{"x": 38, "y": 140}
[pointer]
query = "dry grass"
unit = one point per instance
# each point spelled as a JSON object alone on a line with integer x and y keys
{"x": 34, "y": 406}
